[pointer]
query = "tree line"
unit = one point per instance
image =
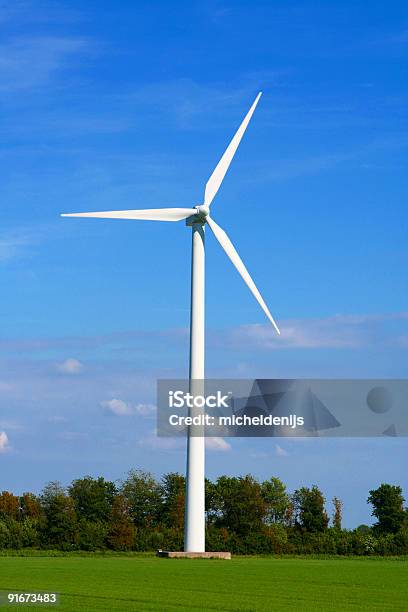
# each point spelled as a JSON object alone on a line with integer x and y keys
{"x": 243, "y": 515}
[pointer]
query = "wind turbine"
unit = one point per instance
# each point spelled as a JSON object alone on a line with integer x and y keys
{"x": 197, "y": 218}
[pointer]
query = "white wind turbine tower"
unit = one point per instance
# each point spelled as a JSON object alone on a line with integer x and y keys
{"x": 198, "y": 217}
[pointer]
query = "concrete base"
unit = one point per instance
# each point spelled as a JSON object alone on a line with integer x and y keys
{"x": 193, "y": 555}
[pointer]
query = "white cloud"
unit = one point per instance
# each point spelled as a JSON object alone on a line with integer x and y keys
{"x": 280, "y": 452}
{"x": 338, "y": 331}
{"x": 146, "y": 410}
{"x": 70, "y": 366}
{"x": 4, "y": 442}
{"x": 26, "y": 63}
{"x": 117, "y": 407}
{"x": 217, "y": 444}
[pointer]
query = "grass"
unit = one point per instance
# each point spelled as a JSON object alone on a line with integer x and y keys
{"x": 139, "y": 582}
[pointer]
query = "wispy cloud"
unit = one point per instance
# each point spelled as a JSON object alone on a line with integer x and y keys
{"x": 186, "y": 100}
{"x": 217, "y": 444}
{"x": 146, "y": 410}
{"x": 284, "y": 169}
{"x": 119, "y": 341}
{"x": 193, "y": 104}
{"x": 339, "y": 331}
{"x": 27, "y": 63}
{"x": 119, "y": 407}
{"x": 280, "y": 452}
{"x": 11, "y": 425}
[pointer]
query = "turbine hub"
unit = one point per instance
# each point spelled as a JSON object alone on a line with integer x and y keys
{"x": 203, "y": 210}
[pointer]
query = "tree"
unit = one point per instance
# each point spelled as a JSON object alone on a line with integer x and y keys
{"x": 30, "y": 506}
{"x": 276, "y": 499}
{"x": 388, "y": 508}
{"x": 337, "y": 512}
{"x": 121, "y": 534}
{"x": 9, "y": 505}
{"x": 61, "y": 527}
{"x": 173, "y": 492}
{"x": 92, "y": 534}
{"x": 93, "y": 497}
{"x": 242, "y": 507}
{"x": 143, "y": 496}
{"x": 50, "y": 491}
{"x": 309, "y": 509}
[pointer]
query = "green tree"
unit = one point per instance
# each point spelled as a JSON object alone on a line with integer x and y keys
{"x": 276, "y": 499}
{"x": 143, "y": 495}
{"x": 309, "y": 510}
{"x": 51, "y": 490}
{"x": 92, "y": 534}
{"x": 31, "y": 532}
{"x": 242, "y": 507}
{"x": 61, "y": 527}
{"x": 93, "y": 497}
{"x": 388, "y": 508}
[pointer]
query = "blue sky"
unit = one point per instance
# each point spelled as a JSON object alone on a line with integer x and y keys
{"x": 110, "y": 105}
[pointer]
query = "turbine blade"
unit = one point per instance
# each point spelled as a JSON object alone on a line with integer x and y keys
{"x": 150, "y": 214}
{"x": 215, "y": 180}
{"x": 229, "y": 248}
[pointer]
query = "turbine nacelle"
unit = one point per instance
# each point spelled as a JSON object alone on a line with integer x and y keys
{"x": 203, "y": 210}
{"x": 200, "y": 216}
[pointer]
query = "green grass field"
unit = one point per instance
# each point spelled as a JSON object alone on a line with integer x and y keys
{"x": 148, "y": 583}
